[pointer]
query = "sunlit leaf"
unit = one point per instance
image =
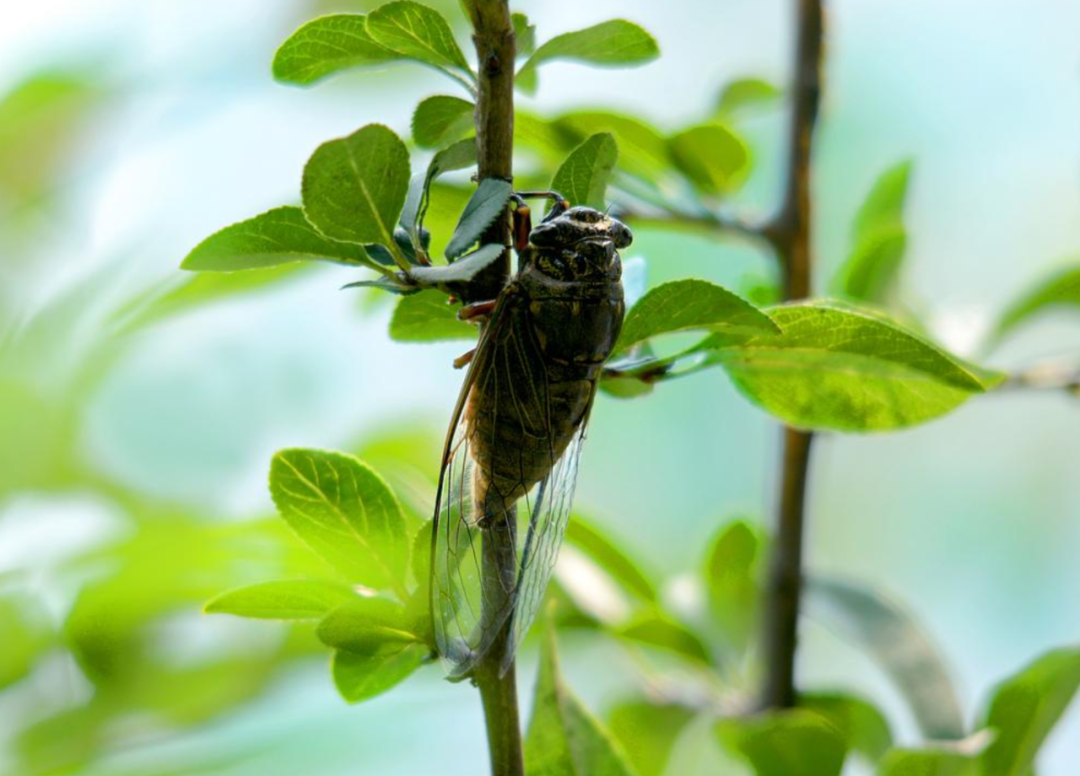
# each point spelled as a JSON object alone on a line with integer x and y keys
{"x": 745, "y": 95}
{"x": 584, "y": 176}
{"x": 345, "y": 512}
{"x": 608, "y": 556}
{"x": 938, "y": 758}
{"x": 892, "y": 638}
{"x": 359, "y": 677}
{"x": 656, "y": 630}
{"x": 428, "y": 317}
{"x": 524, "y": 34}
{"x": 616, "y": 42}
{"x": 642, "y": 148}
{"x": 711, "y": 156}
{"x": 862, "y": 726}
{"x": 731, "y": 581}
{"x": 441, "y": 119}
{"x": 26, "y": 637}
{"x": 366, "y": 625}
{"x": 293, "y": 599}
{"x": 647, "y": 732}
{"x": 1061, "y": 291}
{"x": 786, "y": 743}
{"x": 418, "y": 32}
{"x": 327, "y": 45}
{"x": 487, "y": 203}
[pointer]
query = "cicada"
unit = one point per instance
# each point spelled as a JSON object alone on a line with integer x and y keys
{"x": 511, "y": 456}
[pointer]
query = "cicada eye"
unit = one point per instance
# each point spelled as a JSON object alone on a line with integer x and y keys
{"x": 620, "y": 234}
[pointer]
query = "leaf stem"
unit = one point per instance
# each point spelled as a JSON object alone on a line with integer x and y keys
{"x": 789, "y": 233}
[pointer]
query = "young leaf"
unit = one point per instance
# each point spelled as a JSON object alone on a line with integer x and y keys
{"x": 361, "y": 676}
{"x": 328, "y": 45}
{"x": 279, "y": 236}
{"x": 655, "y": 630}
{"x": 418, "y": 32}
{"x": 610, "y": 558}
{"x": 648, "y": 732}
{"x": 841, "y": 368}
{"x": 731, "y": 580}
{"x": 642, "y": 148}
{"x": 745, "y": 95}
{"x": 488, "y": 201}
{"x": 616, "y": 42}
{"x": 1025, "y": 708}
{"x": 365, "y": 626}
{"x": 354, "y": 188}
{"x": 786, "y": 743}
{"x": 27, "y": 637}
{"x": 897, "y": 643}
{"x": 884, "y": 204}
{"x": 711, "y": 157}
{"x": 440, "y": 120}
{"x": 564, "y": 739}
{"x": 428, "y": 317}
{"x": 524, "y": 34}
{"x": 862, "y": 726}
{"x": 584, "y": 176}
{"x": 684, "y": 305}
{"x": 938, "y": 758}
{"x": 292, "y": 599}
{"x": 1062, "y": 290}
{"x": 345, "y": 512}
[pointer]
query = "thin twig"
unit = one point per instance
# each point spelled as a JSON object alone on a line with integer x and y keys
{"x": 1049, "y": 375}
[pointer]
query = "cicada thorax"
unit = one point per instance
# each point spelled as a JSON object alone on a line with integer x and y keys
{"x": 561, "y": 317}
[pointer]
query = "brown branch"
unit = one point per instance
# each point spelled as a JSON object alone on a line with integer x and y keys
{"x": 789, "y": 233}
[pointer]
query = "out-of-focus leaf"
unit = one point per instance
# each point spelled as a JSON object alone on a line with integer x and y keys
{"x": 884, "y": 204}
{"x": 360, "y": 676}
{"x": 642, "y": 148}
{"x": 345, "y": 512}
{"x": 354, "y": 188}
{"x": 366, "y": 625}
{"x": 26, "y": 636}
{"x": 892, "y": 638}
{"x": 608, "y": 556}
{"x": 712, "y": 157}
{"x": 944, "y": 758}
{"x": 292, "y": 599}
{"x": 441, "y": 119}
{"x": 862, "y": 726}
{"x": 487, "y": 202}
{"x": 428, "y": 317}
{"x": 841, "y": 368}
{"x": 279, "y": 236}
{"x": 731, "y": 580}
{"x": 745, "y": 95}
{"x": 684, "y": 305}
{"x": 786, "y": 743}
{"x": 656, "y": 630}
{"x": 418, "y": 32}
{"x": 564, "y": 739}
{"x": 1025, "y": 708}
{"x": 1060, "y": 291}
{"x": 616, "y": 42}
{"x": 584, "y": 176}
{"x": 647, "y": 732}
{"x": 524, "y": 34}
{"x": 327, "y": 45}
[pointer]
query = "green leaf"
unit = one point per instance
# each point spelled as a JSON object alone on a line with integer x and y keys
{"x": 327, "y": 45}
{"x": 345, "y": 512}
{"x": 564, "y": 739}
{"x": 441, "y": 119}
{"x": 366, "y": 625}
{"x": 642, "y": 148}
{"x": 712, "y": 157}
{"x": 418, "y": 32}
{"x": 361, "y": 676}
{"x": 292, "y": 599}
{"x": 842, "y": 368}
{"x": 457, "y": 156}
{"x": 879, "y": 239}
{"x": 616, "y": 42}
{"x": 587, "y": 538}
{"x": 454, "y": 278}
{"x": 26, "y": 637}
{"x": 487, "y": 203}
{"x": 279, "y": 236}
{"x": 1026, "y": 707}
{"x": 584, "y": 176}
{"x": 647, "y": 732}
{"x": 862, "y": 726}
{"x": 745, "y": 95}
{"x": 524, "y": 34}
{"x": 685, "y": 305}
{"x": 927, "y": 762}
{"x": 891, "y": 637}
{"x": 656, "y": 630}
{"x": 428, "y": 317}
{"x": 786, "y": 743}
{"x": 1060, "y": 291}
{"x": 731, "y": 581}
{"x": 354, "y": 188}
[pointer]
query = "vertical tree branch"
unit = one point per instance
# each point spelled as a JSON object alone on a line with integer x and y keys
{"x": 789, "y": 233}
{"x": 495, "y": 52}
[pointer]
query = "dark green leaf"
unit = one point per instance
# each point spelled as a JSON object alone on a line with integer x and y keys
{"x": 862, "y": 726}
{"x": 684, "y": 305}
{"x": 454, "y": 278}
{"x": 845, "y": 369}
{"x": 610, "y": 558}
{"x": 440, "y": 120}
{"x": 345, "y": 512}
{"x": 731, "y": 580}
{"x": 487, "y": 203}
{"x": 354, "y": 188}
{"x": 524, "y": 34}
{"x": 616, "y": 42}
{"x": 1060, "y": 291}
{"x": 786, "y": 743}
{"x": 362, "y": 676}
{"x": 279, "y": 236}
{"x": 457, "y": 156}
{"x": 419, "y": 32}
{"x": 327, "y": 45}
{"x": 711, "y": 156}
{"x": 1025, "y": 708}
{"x": 647, "y": 732}
{"x": 745, "y": 95}
{"x": 656, "y": 630}
{"x": 564, "y": 739}
{"x": 366, "y": 625}
{"x": 293, "y": 599}
{"x": 584, "y": 176}
{"x": 892, "y": 638}
{"x": 428, "y": 317}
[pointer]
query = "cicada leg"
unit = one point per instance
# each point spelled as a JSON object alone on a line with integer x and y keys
{"x": 559, "y": 203}
{"x": 464, "y": 359}
{"x": 477, "y": 310}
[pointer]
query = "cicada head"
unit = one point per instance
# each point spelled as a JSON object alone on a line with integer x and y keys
{"x": 579, "y": 244}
